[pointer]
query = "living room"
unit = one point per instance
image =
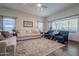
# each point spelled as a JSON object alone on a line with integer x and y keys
{"x": 28, "y": 23}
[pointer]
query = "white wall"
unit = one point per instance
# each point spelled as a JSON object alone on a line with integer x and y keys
{"x": 68, "y": 12}
{"x": 20, "y": 17}
{"x": 45, "y": 24}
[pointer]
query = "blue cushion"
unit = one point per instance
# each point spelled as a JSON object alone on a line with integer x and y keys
{"x": 59, "y": 37}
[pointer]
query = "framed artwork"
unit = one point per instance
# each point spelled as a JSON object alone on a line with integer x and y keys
{"x": 27, "y": 23}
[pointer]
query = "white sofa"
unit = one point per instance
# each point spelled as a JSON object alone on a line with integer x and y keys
{"x": 10, "y": 46}
{"x": 29, "y": 34}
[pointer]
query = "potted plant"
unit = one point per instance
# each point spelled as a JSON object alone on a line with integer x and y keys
{"x": 15, "y": 32}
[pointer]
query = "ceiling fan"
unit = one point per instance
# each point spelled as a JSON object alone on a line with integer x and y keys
{"x": 38, "y": 5}
{"x": 41, "y": 5}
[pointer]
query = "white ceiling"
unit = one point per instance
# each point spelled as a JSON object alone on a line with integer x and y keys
{"x": 32, "y": 8}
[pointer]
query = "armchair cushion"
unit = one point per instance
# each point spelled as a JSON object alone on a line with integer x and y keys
{"x": 62, "y": 36}
{"x": 59, "y": 36}
{"x": 48, "y": 34}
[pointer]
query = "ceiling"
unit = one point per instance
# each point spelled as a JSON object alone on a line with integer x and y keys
{"x": 32, "y": 8}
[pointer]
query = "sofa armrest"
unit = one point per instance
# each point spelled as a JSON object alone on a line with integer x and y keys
{"x": 57, "y": 34}
{"x": 11, "y": 41}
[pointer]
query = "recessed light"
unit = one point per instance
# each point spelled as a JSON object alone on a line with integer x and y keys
{"x": 39, "y": 5}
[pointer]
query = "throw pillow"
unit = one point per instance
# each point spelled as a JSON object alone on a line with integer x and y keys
{"x": 2, "y": 37}
{"x": 6, "y": 34}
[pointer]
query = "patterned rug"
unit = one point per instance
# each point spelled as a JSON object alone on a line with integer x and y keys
{"x": 37, "y": 47}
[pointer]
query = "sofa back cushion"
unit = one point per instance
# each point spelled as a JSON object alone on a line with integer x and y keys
{"x": 64, "y": 32}
{"x": 6, "y": 34}
{"x": 35, "y": 31}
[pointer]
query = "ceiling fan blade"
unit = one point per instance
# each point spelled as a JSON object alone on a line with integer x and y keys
{"x": 44, "y": 6}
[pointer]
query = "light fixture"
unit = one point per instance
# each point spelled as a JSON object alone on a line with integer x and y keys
{"x": 39, "y": 5}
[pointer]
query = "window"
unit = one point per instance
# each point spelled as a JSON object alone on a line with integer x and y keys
{"x": 65, "y": 24}
{"x": 54, "y": 26}
{"x": 73, "y": 25}
{"x": 61, "y": 25}
{"x": 40, "y": 26}
{"x": 8, "y": 24}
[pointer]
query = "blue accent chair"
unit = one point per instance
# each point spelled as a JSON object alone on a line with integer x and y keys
{"x": 48, "y": 34}
{"x": 62, "y": 36}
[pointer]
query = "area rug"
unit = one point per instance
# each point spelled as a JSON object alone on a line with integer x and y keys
{"x": 37, "y": 47}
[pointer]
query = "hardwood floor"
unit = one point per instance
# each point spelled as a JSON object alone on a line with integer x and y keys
{"x": 72, "y": 49}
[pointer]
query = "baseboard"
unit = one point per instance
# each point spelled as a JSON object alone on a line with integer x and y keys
{"x": 74, "y": 41}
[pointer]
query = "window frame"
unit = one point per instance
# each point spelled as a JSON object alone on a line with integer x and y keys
{"x": 70, "y": 18}
{"x": 14, "y": 19}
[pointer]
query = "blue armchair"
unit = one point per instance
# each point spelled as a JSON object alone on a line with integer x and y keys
{"x": 62, "y": 36}
{"x": 48, "y": 34}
